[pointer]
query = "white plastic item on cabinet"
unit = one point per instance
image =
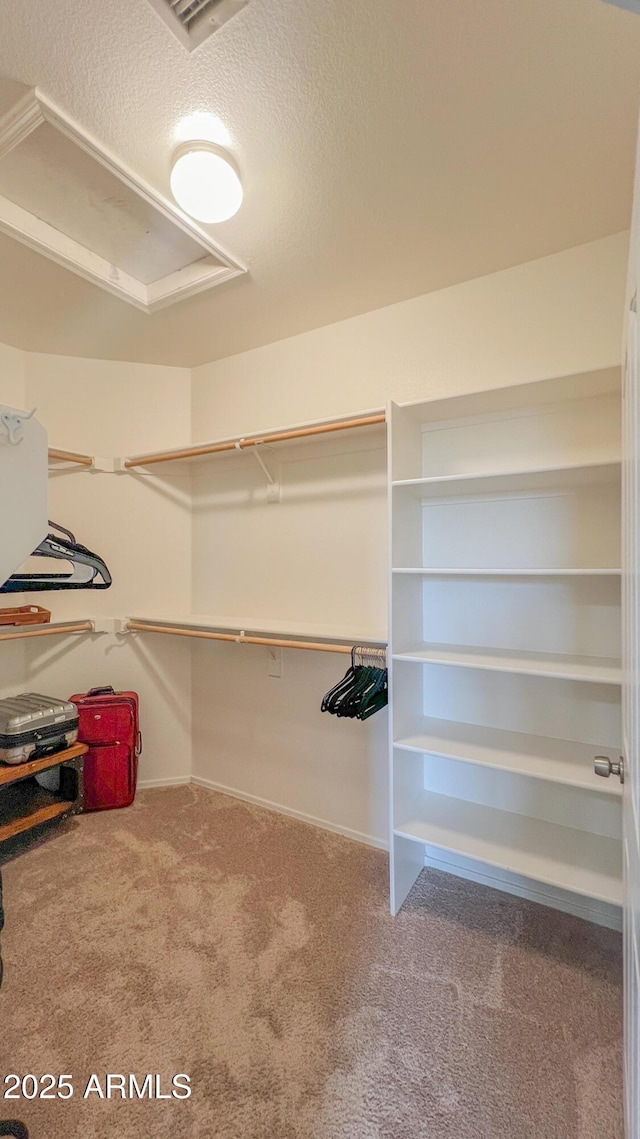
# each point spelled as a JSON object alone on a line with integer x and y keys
{"x": 23, "y": 487}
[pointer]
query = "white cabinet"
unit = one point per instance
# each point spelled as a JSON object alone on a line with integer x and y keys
{"x": 23, "y": 487}
{"x": 505, "y": 634}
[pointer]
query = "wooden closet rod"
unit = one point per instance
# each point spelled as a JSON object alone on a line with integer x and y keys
{"x": 254, "y": 440}
{"x": 70, "y": 457}
{"x": 76, "y": 627}
{"x": 239, "y": 638}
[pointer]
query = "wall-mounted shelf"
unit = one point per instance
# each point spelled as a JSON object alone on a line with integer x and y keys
{"x": 369, "y": 422}
{"x": 540, "y": 757}
{"x": 561, "y": 856}
{"x": 558, "y": 666}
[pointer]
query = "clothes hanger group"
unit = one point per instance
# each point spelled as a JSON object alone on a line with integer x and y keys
{"x": 88, "y": 569}
{"x": 363, "y": 689}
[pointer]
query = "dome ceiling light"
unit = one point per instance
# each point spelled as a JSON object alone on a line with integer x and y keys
{"x": 205, "y": 181}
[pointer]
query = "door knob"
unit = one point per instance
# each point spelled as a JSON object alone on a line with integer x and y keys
{"x": 603, "y": 766}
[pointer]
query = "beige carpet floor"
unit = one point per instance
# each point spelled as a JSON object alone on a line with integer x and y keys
{"x": 193, "y": 933}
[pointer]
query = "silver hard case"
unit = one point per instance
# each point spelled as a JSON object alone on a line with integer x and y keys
{"x": 32, "y": 723}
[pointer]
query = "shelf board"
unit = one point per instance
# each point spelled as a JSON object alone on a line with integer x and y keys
{"x": 269, "y": 626}
{"x": 538, "y": 478}
{"x": 505, "y": 572}
{"x": 560, "y": 666}
{"x": 25, "y": 805}
{"x": 514, "y": 397}
{"x": 12, "y": 772}
{"x": 556, "y": 761}
{"x": 546, "y": 852}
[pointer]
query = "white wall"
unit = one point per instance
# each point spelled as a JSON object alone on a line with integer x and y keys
{"x": 140, "y": 525}
{"x": 263, "y": 737}
{"x": 12, "y": 376}
{"x": 557, "y": 315}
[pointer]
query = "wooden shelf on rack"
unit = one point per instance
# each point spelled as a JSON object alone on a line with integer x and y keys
{"x": 24, "y": 804}
{"x": 24, "y": 807}
{"x": 557, "y": 761}
{"x": 558, "y": 666}
{"x": 13, "y": 772}
{"x": 510, "y": 482}
{"x": 561, "y": 856}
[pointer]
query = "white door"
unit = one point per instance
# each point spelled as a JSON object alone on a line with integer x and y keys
{"x": 631, "y": 691}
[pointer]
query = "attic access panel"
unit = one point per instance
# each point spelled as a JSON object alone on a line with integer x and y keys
{"x": 193, "y": 21}
{"x": 68, "y": 198}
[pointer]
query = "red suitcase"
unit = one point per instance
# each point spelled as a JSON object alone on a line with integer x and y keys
{"x": 109, "y": 724}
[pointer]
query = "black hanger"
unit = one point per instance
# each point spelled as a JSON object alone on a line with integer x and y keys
{"x": 362, "y": 691}
{"x": 88, "y": 572}
{"x": 351, "y": 703}
{"x": 376, "y": 699}
{"x": 332, "y": 700}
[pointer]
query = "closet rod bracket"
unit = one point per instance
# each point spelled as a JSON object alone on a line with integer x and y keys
{"x": 105, "y": 624}
{"x": 121, "y": 625}
{"x": 273, "y": 486}
{"x": 102, "y": 463}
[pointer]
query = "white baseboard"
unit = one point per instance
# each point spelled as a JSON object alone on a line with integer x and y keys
{"x": 599, "y": 912}
{"x": 169, "y": 781}
{"x": 357, "y": 836}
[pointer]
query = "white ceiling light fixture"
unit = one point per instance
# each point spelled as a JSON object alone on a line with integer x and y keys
{"x": 205, "y": 181}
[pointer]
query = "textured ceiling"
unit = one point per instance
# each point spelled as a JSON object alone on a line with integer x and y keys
{"x": 387, "y": 149}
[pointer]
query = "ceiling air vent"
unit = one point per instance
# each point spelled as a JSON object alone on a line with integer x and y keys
{"x": 193, "y": 21}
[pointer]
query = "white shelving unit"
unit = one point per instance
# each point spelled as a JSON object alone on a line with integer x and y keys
{"x": 505, "y": 676}
{"x": 23, "y": 467}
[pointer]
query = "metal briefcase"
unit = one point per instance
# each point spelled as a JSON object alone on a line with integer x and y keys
{"x": 32, "y": 725}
